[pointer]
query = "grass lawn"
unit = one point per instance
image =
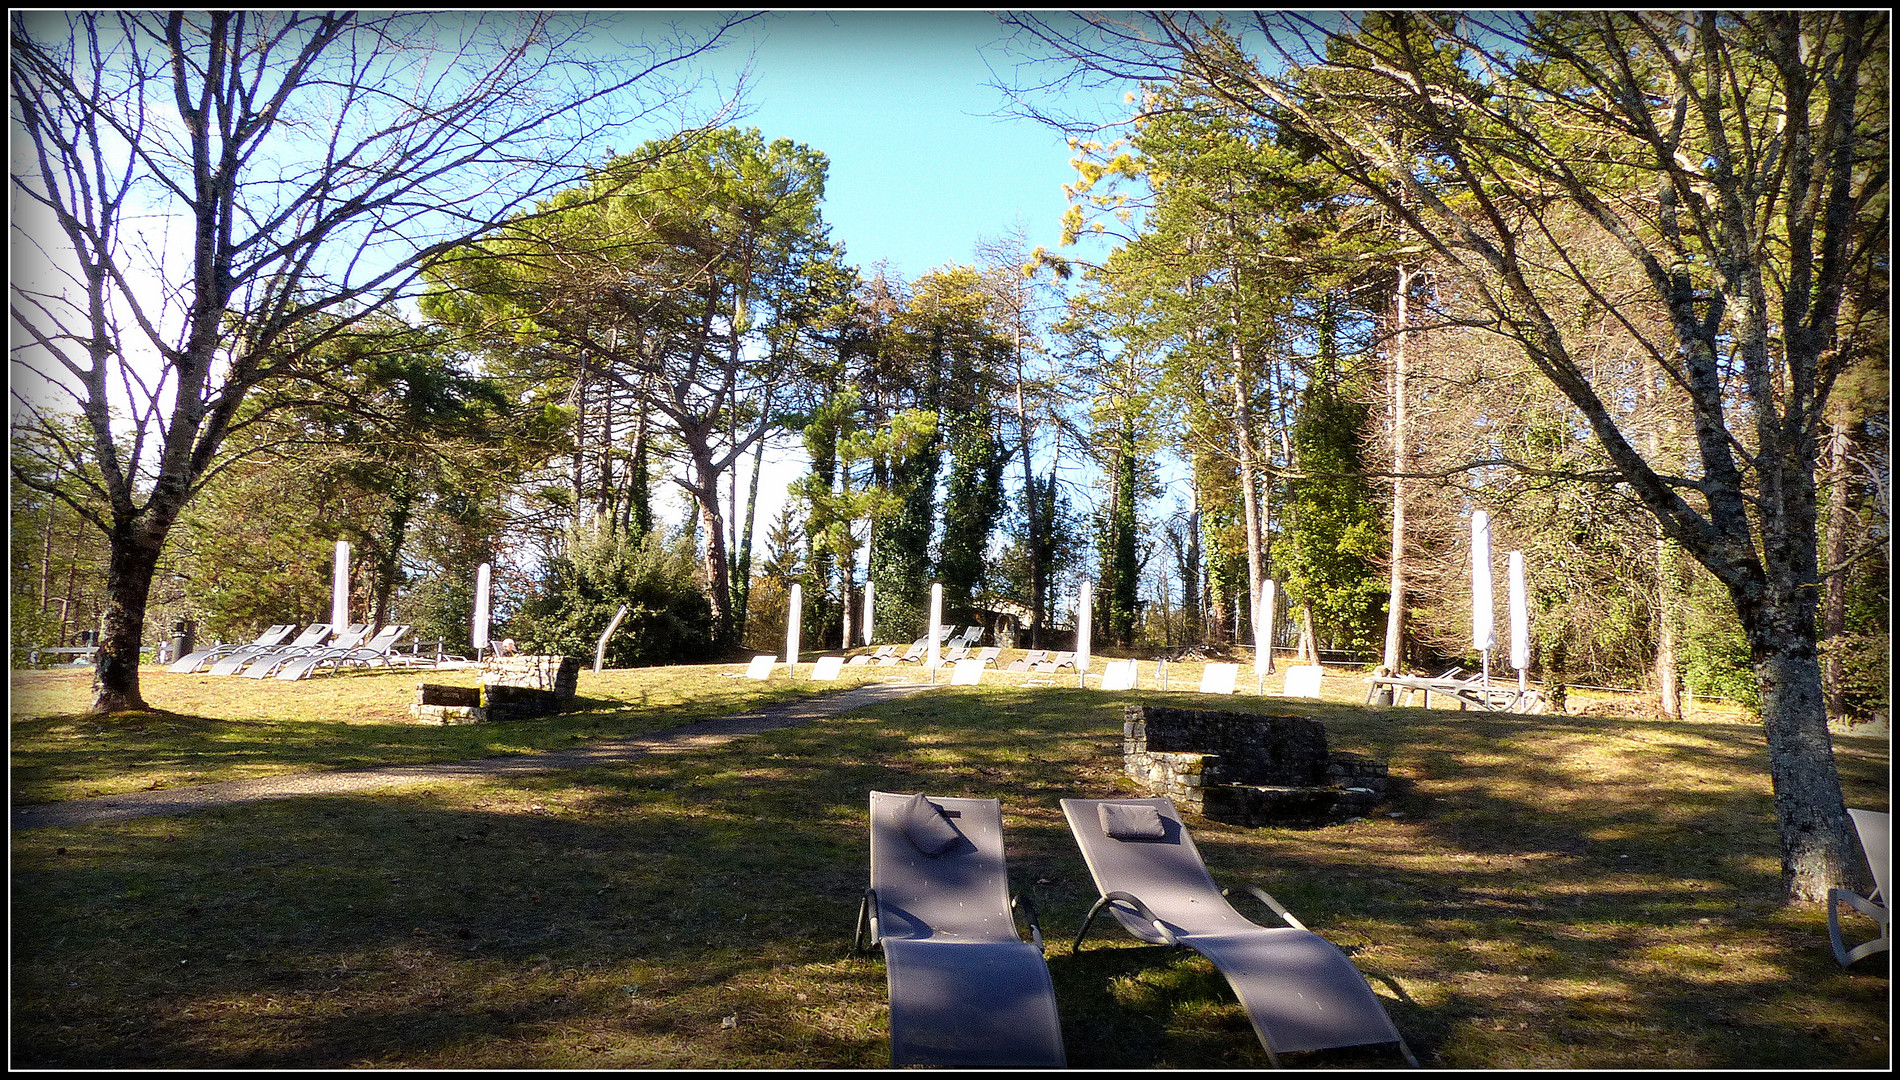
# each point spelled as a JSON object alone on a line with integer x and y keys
{"x": 1541, "y": 892}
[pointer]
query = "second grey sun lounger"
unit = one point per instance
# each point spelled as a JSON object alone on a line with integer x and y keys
{"x": 272, "y": 662}
{"x": 1299, "y": 990}
{"x": 966, "y": 991}
{"x": 1028, "y": 660}
{"x": 312, "y": 637}
{"x": 371, "y": 653}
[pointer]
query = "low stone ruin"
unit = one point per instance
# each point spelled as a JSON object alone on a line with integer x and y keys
{"x": 512, "y": 688}
{"x": 1247, "y": 768}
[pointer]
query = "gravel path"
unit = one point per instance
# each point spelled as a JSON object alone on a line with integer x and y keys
{"x": 706, "y": 733}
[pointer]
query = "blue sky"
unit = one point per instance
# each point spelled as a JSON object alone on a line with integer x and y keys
{"x": 923, "y": 164}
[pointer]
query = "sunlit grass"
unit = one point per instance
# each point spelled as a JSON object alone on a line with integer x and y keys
{"x": 1539, "y": 892}
{"x": 206, "y": 728}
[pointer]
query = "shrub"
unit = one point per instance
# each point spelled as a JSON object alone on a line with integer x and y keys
{"x": 669, "y": 619}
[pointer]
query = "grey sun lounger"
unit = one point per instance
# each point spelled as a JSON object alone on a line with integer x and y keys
{"x": 371, "y": 653}
{"x": 269, "y": 639}
{"x": 1028, "y": 660}
{"x": 1872, "y": 826}
{"x": 1299, "y": 990}
{"x": 312, "y": 637}
{"x": 966, "y": 991}
{"x": 270, "y": 663}
{"x": 909, "y": 656}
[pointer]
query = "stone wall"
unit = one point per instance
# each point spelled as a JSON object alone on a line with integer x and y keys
{"x": 556, "y": 674}
{"x": 513, "y": 688}
{"x": 1254, "y": 748}
{"x": 1246, "y": 768}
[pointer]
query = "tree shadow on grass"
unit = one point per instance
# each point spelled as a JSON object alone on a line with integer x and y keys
{"x": 618, "y": 916}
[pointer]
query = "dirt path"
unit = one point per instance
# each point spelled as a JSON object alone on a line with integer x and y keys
{"x": 706, "y": 733}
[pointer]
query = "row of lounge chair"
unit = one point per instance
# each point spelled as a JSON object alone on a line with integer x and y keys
{"x": 966, "y": 991}
{"x": 313, "y": 652}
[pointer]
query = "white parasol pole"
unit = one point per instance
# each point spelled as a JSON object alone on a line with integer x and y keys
{"x": 1520, "y": 621}
{"x": 340, "y": 589}
{"x": 1484, "y": 634}
{"x": 479, "y": 632}
{"x": 935, "y": 655}
{"x": 791, "y": 628}
{"x": 1084, "y": 629}
{"x": 867, "y": 614}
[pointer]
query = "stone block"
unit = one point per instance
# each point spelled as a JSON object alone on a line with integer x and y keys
{"x": 448, "y": 714}
{"x": 559, "y": 675}
{"x": 1246, "y": 768}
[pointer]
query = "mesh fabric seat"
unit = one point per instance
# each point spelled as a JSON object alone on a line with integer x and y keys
{"x": 1299, "y": 990}
{"x": 966, "y": 991}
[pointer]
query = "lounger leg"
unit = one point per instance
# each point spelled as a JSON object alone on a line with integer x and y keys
{"x": 1080, "y": 934}
{"x": 1847, "y": 956}
{"x": 865, "y": 937}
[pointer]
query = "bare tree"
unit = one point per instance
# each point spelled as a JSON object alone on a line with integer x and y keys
{"x": 1740, "y": 159}
{"x": 202, "y": 200}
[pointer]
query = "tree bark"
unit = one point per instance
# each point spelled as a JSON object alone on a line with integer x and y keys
{"x": 1834, "y": 611}
{"x": 135, "y": 546}
{"x": 1395, "y": 589}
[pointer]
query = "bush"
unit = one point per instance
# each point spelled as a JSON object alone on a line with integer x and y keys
{"x": 669, "y": 619}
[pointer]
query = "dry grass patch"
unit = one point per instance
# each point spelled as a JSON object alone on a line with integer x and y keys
{"x": 207, "y": 728}
{"x": 1516, "y": 904}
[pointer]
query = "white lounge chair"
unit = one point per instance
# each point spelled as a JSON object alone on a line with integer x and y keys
{"x": 371, "y": 653}
{"x": 917, "y": 651}
{"x": 1871, "y": 826}
{"x": 1119, "y": 675}
{"x": 1219, "y": 678}
{"x": 1028, "y": 660}
{"x": 312, "y": 638}
{"x": 266, "y": 641}
{"x": 1302, "y": 681}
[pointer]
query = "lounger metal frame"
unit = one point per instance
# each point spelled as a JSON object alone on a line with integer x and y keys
{"x": 1300, "y": 991}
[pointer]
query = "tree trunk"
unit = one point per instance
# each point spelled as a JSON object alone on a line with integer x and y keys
{"x": 1032, "y": 541}
{"x": 1834, "y": 610}
{"x": 389, "y": 564}
{"x": 1249, "y": 477}
{"x": 742, "y": 558}
{"x": 1668, "y": 627}
{"x": 1668, "y": 567}
{"x": 716, "y": 557}
{"x": 135, "y": 545}
{"x": 639, "y": 499}
{"x": 1395, "y": 589}
{"x": 1191, "y": 569}
{"x": 1809, "y": 808}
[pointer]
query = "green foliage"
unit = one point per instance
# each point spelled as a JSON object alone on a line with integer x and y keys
{"x": 900, "y": 544}
{"x": 668, "y": 617}
{"x": 1714, "y": 651}
{"x": 1335, "y": 539}
{"x": 1058, "y": 535}
{"x": 973, "y": 500}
